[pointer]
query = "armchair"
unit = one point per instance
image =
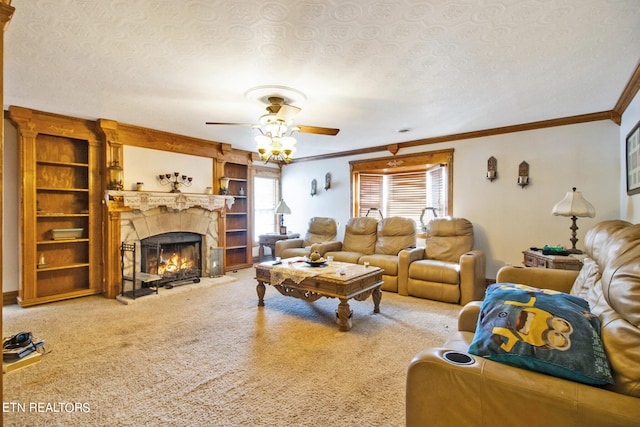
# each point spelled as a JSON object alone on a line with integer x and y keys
{"x": 447, "y": 269}
{"x": 497, "y": 394}
{"x": 319, "y": 230}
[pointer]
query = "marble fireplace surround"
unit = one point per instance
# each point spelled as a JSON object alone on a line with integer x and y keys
{"x": 146, "y": 214}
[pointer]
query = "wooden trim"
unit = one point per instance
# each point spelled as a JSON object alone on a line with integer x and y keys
{"x": 629, "y": 92}
{"x": 564, "y": 121}
{"x": 10, "y": 298}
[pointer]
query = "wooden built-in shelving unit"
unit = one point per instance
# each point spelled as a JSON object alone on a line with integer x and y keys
{"x": 59, "y": 159}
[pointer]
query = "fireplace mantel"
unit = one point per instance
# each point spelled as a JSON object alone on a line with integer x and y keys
{"x": 145, "y": 200}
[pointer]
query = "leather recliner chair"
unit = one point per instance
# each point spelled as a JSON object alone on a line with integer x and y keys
{"x": 447, "y": 269}
{"x": 495, "y": 394}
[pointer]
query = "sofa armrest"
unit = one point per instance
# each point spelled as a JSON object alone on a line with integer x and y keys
{"x": 496, "y": 394}
{"x": 473, "y": 267}
{"x": 546, "y": 278}
{"x": 468, "y": 316}
{"x": 288, "y": 243}
{"x": 405, "y": 258}
{"x": 324, "y": 247}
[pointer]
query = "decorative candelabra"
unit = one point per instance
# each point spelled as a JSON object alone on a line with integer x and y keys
{"x": 176, "y": 180}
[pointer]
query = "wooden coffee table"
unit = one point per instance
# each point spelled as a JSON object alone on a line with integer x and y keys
{"x": 337, "y": 280}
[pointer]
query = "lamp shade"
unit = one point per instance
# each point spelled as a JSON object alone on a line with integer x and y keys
{"x": 282, "y": 208}
{"x": 574, "y": 204}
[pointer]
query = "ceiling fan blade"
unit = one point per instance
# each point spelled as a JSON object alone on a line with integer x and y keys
{"x": 318, "y": 130}
{"x": 231, "y": 124}
{"x": 287, "y": 112}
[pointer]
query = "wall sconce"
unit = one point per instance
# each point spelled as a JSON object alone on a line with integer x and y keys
{"x": 224, "y": 185}
{"x": 115, "y": 176}
{"x": 523, "y": 174}
{"x": 492, "y": 168}
{"x": 327, "y": 181}
{"x": 314, "y": 187}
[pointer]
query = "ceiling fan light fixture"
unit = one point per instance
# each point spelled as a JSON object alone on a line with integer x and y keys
{"x": 276, "y": 149}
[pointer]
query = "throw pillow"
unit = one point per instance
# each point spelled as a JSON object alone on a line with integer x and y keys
{"x": 541, "y": 330}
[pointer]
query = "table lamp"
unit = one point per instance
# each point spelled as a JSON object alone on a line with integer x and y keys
{"x": 574, "y": 205}
{"x": 281, "y": 210}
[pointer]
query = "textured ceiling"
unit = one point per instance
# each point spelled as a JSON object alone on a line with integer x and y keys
{"x": 367, "y": 67}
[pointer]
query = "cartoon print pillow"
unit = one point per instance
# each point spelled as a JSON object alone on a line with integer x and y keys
{"x": 541, "y": 330}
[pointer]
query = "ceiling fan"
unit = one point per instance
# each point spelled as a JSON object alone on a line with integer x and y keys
{"x": 277, "y": 121}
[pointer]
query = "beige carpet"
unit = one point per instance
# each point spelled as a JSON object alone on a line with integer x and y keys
{"x": 208, "y": 356}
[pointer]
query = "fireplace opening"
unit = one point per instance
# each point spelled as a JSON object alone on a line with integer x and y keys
{"x": 175, "y": 257}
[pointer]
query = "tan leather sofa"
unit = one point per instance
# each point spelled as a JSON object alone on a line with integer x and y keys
{"x": 448, "y": 269}
{"x": 320, "y": 230}
{"x": 496, "y": 394}
{"x": 380, "y": 243}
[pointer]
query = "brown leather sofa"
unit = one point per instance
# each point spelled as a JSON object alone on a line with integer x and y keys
{"x": 381, "y": 243}
{"x": 496, "y": 394}
{"x": 447, "y": 269}
{"x": 320, "y": 230}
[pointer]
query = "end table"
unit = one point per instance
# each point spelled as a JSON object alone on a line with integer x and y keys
{"x": 562, "y": 262}
{"x": 269, "y": 240}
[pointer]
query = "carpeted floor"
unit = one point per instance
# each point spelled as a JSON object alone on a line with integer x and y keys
{"x": 206, "y": 355}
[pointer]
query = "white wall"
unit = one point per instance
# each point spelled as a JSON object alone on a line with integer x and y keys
{"x": 144, "y": 165}
{"x": 629, "y": 205}
{"x": 507, "y": 219}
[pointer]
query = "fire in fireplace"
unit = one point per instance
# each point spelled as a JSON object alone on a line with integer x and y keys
{"x": 176, "y": 257}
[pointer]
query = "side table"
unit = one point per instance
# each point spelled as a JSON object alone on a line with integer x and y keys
{"x": 560, "y": 262}
{"x": 269, "y": 240}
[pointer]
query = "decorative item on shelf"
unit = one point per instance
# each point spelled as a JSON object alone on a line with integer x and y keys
{"x": 176, "y": 180}
{"x": 139, "y": 186}
{"x": 115, "y": 176}
{"x": 282, "y": 209}
{"x": 41, "y": 261}
{"x": 492, "y": 168}
{"x": 208, "y": 190}
{"x": 433, "y": 211}
{"x": 314, "y": 187}
{"x": 241, "y": 192}
{"x": 327, "y": 181}
{"x": 523, "y": 174}
{"x": 224, "y": 185}
{"x": 574, "y": 205}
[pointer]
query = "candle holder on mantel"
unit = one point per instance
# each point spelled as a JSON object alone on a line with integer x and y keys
{"x": 176, "y": 180}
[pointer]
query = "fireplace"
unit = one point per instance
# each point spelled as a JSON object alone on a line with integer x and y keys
{"x": 135, "y": 216}
{"x": 176, "y": 257}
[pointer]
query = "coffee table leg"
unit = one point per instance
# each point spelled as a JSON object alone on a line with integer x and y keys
{"x": 260, "y": 290}
{"x": 377, "y": 296}
{"x": 343, "y": 315}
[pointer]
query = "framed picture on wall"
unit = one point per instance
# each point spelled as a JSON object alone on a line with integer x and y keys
{"x": 633, "y": 160}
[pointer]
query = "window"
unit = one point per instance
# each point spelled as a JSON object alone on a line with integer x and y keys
{"x": 266, "y": 196}
{"x": 404, "y": 186}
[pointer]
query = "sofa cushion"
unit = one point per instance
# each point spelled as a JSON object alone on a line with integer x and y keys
{"x": 541, "y": 330}
{"x": 320, "y": 230}
{"x": 345, "y": 256}
{"x": 587, "y": 277}
{"x": 448, "y": 238}
{"x": 431, "y": 270}
{"x": 615, "y": 301}
{"x": 360, "y": 235}
{"x": 389, "y": 263}
{"x": 395, "y": 234}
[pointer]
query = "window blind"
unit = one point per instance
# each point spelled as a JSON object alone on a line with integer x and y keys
{"x": 407, "y": 195}
{"x": 370, "y": 193}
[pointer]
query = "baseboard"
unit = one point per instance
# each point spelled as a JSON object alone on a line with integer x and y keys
{"x": 9, "y": 298}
